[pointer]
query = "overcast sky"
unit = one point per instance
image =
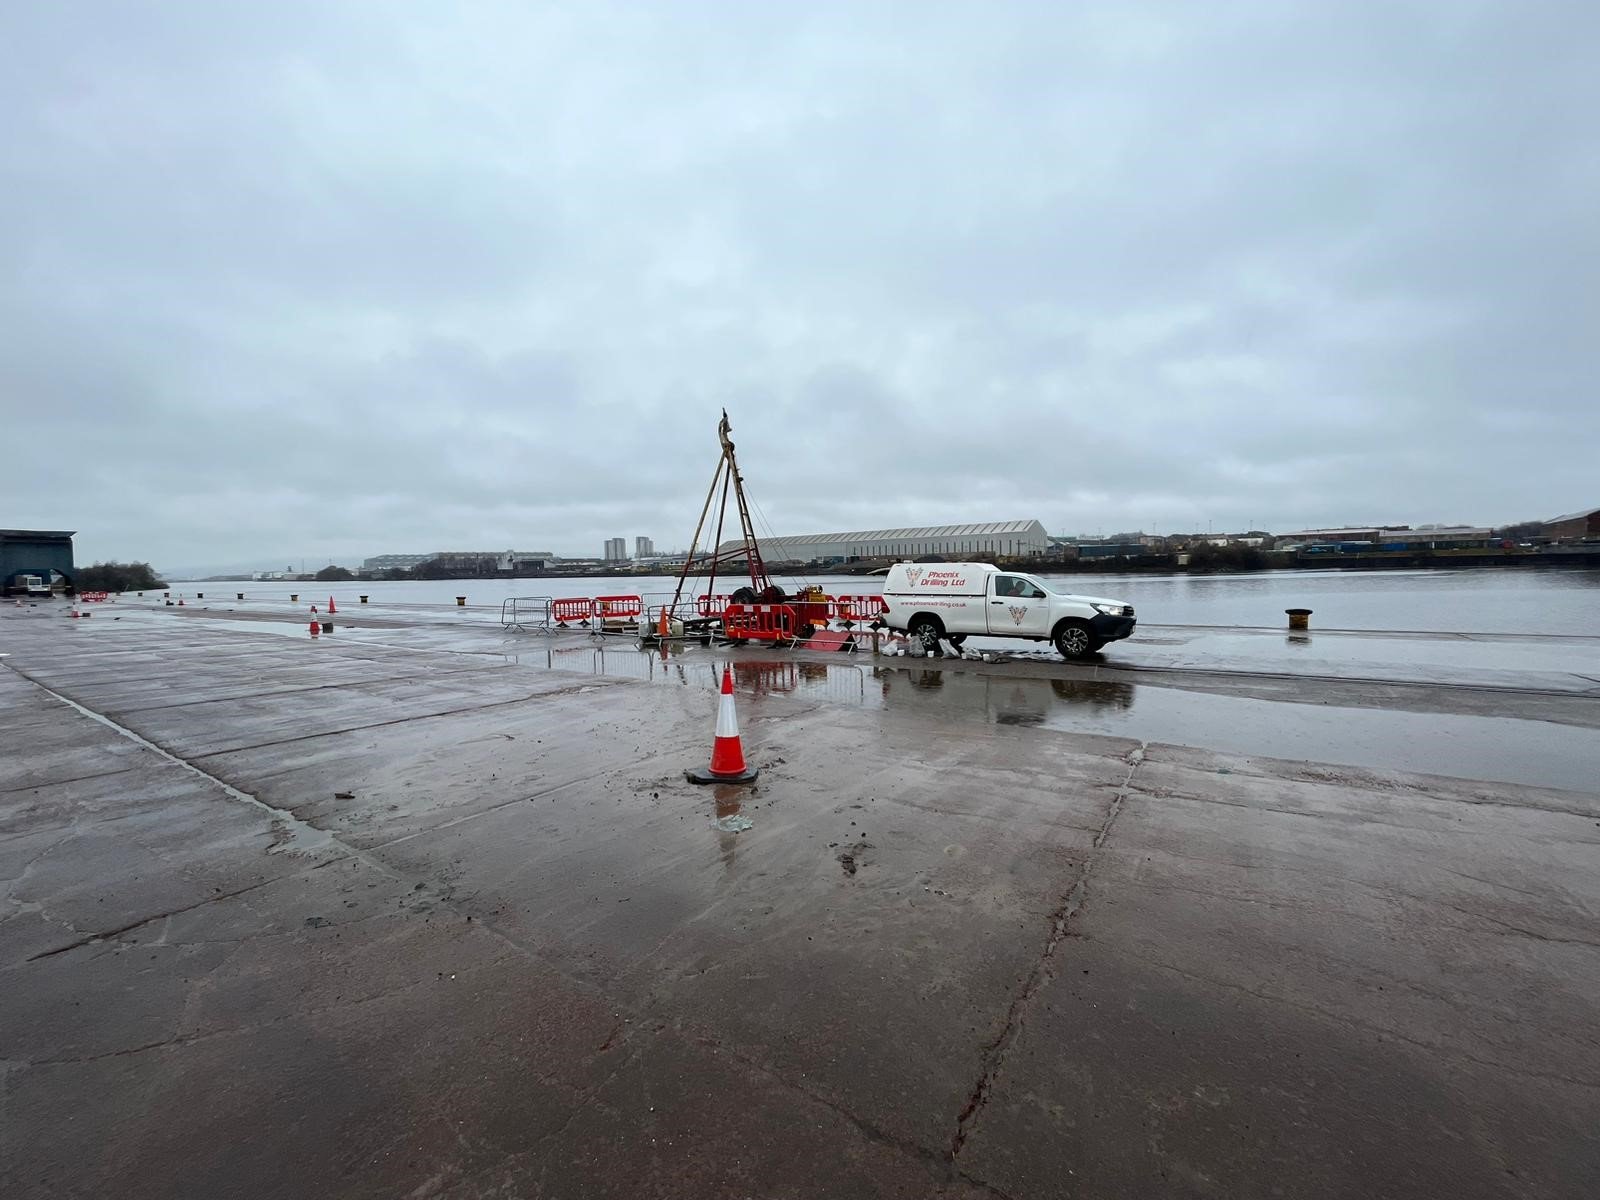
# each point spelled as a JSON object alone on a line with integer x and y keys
{"x": 329, "y": 280}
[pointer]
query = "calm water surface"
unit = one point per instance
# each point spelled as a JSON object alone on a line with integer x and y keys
{"x": 1524, "y": 600}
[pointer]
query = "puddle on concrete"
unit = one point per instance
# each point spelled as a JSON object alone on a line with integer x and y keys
{"x": 1503, "y": 749}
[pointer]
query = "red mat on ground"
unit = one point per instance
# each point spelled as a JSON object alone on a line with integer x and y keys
{"x": 828, "y": 640}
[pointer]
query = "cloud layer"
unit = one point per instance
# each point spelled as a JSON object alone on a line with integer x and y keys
{"x": 331, "y": 280}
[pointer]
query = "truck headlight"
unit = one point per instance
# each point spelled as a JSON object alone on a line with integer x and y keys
{"x": 1112, "y": 610}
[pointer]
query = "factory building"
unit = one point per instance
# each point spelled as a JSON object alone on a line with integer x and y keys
{"x": 396, "y": 562}
{"x": 616, "y": 549}
{"x": 999, "y": 539}
{"x": 1584, "y": 524}
{"x": 475, "y": 560}
{"x": 46, "y": 553}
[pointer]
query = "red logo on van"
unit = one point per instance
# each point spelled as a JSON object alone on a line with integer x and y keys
{"x": 912, "y": 575}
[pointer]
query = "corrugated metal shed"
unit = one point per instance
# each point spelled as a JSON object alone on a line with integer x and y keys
{"x": 34, "y": 552}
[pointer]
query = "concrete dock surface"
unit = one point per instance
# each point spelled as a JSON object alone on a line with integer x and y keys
{"x": 424, "y": 909}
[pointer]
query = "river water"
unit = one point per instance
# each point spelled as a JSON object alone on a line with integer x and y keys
{"x": 1482, "y": 600}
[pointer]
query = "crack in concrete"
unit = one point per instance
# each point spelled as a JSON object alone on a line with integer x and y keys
{"x": 866, "y": 1128}
{"x": 995, "y": 1056}
{"x": 286, "y": 691}
{"x": 1371, "y": 888}
{"x": 50, "y": 783}
{"x": 1165, "y": 793}
{"x": 108, "y": 934}
{"x": 406, "y": 720}
{"x": 1433, "y": 1048}
{"x": 189, "y": 1039}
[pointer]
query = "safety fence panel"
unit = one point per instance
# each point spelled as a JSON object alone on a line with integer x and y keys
{"x": 712, "y": 606}
{"x": 618, "y": 608}
{"x": 759, "y": 622}
{"x": 572, "y": 610}
{"x": 94, "y": 597}
{"x": 531, "y": 614}
{"x": 859, "y": 608}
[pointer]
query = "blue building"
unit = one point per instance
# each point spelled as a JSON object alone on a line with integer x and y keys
{"x": 46, "y": 553}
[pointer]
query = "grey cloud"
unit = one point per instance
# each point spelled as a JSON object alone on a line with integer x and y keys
{"x": 332, "y": 280}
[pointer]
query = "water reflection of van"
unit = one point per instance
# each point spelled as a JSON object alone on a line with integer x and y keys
{"x": 1004, "y": 699}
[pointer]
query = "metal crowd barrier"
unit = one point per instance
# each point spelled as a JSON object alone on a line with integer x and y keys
{"x": 527, "y": 614}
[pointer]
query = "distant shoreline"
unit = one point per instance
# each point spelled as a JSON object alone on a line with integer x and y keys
{"x": 1584, "y": 556}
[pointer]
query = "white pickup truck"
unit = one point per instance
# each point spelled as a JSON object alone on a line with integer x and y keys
{"x": 953, "y": 600}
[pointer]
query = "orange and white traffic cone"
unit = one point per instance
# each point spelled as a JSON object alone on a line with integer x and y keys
{"x": 316, "y": 628}
{"x": 727, "y": 752}
{"x": 331, "y": 608}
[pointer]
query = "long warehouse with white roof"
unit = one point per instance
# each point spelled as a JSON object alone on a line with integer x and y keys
{"x": 1005, "y": 539}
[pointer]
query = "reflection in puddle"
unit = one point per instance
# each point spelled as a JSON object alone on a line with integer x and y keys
{"x": 1007, "y": 699}
{"x": 997, "y": 699}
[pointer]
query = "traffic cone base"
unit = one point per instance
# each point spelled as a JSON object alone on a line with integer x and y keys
{"x": 727, "y": 752}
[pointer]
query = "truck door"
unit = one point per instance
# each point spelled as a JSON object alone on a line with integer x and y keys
{"x": 1017, "y": 608}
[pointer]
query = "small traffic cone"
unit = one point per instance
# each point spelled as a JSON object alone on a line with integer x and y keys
{"x": 331, "y": 608}
{"x": 663, "y": 627}
{"x": 75, "y": 613}
{"x": 180, "y": 603}
{"x": 313, "y": 610}
{"x": 727, "y": 752}
{"x": 316, "y": 628}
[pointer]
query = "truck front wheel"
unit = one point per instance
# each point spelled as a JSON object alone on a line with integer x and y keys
{"x": 1073, "y": 640}
{"x": 928, "y": 630}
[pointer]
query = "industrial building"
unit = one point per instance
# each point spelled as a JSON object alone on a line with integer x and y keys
{"x": 644, "y": 547}
{"x": 1584, "y": 524}
{"x": 1392, "y": 537}
{"x": 616, "y": 549}
{"x": 46, "y": 553}
{"x": 396, "y": 562}
{"x": 496, "y": 560}
{"x": 1000, "y": 539}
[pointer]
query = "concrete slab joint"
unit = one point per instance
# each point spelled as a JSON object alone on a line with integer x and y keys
{"x": 1043, "y": 969}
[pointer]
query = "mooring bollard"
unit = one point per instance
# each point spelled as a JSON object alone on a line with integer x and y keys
{"x": 363, "y": 599}
{"x": 461, "y": 601}
{"x": 1299, "y": 618}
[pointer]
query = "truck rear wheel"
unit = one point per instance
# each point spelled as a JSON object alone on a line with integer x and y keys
{"x": 926, "y": 629}
{"x": 1073, "y": 640}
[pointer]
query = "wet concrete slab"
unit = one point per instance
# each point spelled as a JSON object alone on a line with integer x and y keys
{"x": 1287, "y": 973}
{"x": 464, "y": 930}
